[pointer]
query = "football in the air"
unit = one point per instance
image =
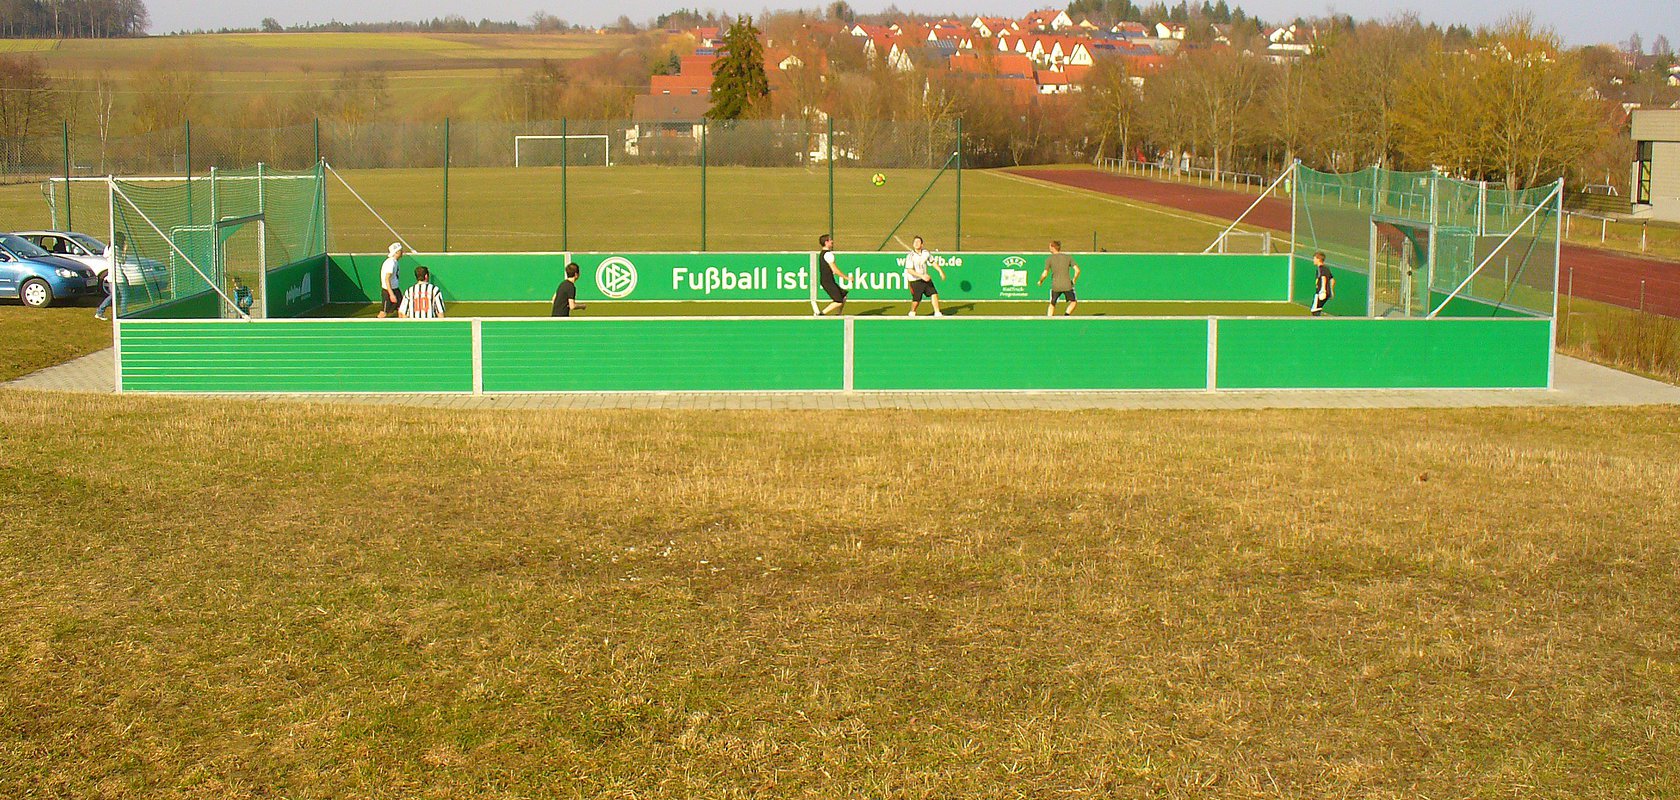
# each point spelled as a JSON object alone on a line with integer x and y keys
{"x": 878, "y": 179}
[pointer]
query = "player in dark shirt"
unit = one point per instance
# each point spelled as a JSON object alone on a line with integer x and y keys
{"x": 565, "y": 297}
{"x": 826, "y": 274}
{"x": 1324, "y": 285}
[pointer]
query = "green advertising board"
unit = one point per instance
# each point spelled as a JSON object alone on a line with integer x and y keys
{"x": 959, "y": 276}
{"x": 694, "y": 276}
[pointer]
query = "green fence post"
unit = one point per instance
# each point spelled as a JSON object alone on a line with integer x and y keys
{"x": 187, "y": 125}
{"x": 565, "y": 237}
{"x": 69, "y": 214}
{"x": 959, "y": 182}
{"x": 831, "y": 175}
{"x": 445, "y": 184}
{"x": 703, "y": 127}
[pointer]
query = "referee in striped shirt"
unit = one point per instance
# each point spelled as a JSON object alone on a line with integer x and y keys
{"x": 422, "y": 300}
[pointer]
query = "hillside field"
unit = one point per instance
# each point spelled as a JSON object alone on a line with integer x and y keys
{"x": 430, "y": 75}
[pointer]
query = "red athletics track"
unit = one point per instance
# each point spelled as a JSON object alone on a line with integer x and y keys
{"x": 1601, "y": 275}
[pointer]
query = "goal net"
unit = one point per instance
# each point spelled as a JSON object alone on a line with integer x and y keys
{"x": 206, "y": 247}
{"x": 576, "y": 150}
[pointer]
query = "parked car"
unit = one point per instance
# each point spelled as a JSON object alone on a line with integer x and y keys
{"x": 137, "y": 272}
{"x": 38, "y": 278}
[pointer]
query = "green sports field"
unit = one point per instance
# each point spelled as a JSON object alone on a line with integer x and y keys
{"x": 1002, "y": 308}
{"x": 642, "y": 208}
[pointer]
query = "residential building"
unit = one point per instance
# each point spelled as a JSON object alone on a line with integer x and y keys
{"x": 1656, "y": 166}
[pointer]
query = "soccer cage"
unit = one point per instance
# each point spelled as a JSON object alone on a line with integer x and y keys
{"x": 240, "y": 243}
{"x": 1424, "y": 245}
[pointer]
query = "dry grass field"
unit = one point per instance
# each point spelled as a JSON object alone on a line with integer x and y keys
{"x": 35, "y": 339}
{"x": 279, "y": 599}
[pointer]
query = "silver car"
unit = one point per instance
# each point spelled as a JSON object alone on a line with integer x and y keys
{"x": 137, "y": 273}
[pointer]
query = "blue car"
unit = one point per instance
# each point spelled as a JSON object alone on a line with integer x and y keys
{"x": 38, "y": 278}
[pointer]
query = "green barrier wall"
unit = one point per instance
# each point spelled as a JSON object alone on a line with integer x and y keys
{"x": 276, "y": 356}
{"x": 461, "y": 277}
{"x": 1383, "y": 353}
{"x": 787, "y": 276}
{"x": 1352, "y": 297}
{"x": 296, "y": 289}
{"x": 698, "y": 354}
{"x": 1057, "y": 353}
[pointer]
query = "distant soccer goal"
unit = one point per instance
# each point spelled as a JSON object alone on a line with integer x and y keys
{"x": 578, "y": 149}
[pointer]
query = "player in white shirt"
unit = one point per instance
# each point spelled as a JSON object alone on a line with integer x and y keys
{"x": 916, "y": 264}
{"x": 390, "y": 282}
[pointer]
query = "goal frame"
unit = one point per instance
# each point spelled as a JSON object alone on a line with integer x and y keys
{"x": 606, "y": 144}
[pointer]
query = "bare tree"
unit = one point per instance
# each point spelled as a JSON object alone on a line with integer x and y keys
{"x": 28, "y": 102}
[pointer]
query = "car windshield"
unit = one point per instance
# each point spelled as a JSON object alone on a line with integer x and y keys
{"x": 93, "y": 245}
{"x": 21, "y": 247}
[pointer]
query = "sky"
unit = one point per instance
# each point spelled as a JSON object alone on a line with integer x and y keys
{"x": 1604, "y": 21}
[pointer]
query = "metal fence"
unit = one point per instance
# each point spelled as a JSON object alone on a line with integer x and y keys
{"x": 555, "y": 185}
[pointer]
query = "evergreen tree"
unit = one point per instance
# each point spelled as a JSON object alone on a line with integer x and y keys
{"x": 738, "y": 79}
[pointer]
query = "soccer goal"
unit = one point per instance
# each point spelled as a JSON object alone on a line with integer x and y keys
{"x": 577, "y": 149}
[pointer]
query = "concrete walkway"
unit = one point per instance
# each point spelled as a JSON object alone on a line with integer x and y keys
{"x": 1579, "y": 383}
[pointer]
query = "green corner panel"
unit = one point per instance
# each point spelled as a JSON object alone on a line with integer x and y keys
{"x": 204, "y": 305}
{"x": 1024, "y": 354}
{"x": 1330, "y": 353}
{"x": 1351, "y": 298}
{"x": 296, "y": 289}
{"x": 662, "y": 355}
{"x": 461, "y": 277}
{"x": 1462, "y": 306}
{"x": 272, "y": 356}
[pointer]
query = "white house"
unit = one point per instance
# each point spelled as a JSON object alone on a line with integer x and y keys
{"x": 1166, "y": 31}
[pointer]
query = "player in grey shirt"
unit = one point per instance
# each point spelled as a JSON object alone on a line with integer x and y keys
{"x": 1063, "y": 274}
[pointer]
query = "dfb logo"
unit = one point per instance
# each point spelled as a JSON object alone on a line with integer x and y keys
{"x": 616, "y": 277}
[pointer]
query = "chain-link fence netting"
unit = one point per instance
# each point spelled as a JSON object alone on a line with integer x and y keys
{"x": 1420, "y": 238}
{"x": 202, "y": 247}
{"x": 551, "y": 185}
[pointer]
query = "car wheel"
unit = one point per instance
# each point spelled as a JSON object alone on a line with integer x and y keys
{"x": 36, "y": 293}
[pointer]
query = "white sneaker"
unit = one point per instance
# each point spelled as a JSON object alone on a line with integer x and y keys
{"x": 939, "y": 313}
{"x": 911, "y": 314}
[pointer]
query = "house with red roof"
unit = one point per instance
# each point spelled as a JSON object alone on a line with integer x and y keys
{"x": 993, "y": 27}
{"x": 1049, "y": 19}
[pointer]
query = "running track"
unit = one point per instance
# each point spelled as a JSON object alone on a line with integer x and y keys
{"x": 1601, "y": 275}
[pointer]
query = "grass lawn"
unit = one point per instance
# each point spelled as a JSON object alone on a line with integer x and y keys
{"x": 37, "y": 338}
{"x": 232, "y": 599}
{"x": 748, "y": 208}
{"x": 861, "y": 308}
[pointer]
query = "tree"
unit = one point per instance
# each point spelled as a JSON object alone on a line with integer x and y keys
{"x": 1661, "y": 47}
{"x": 29, "y": 99}
{"x": 170, "y": 90}
{"x": 1636, "y": 44}
{"x": 1112, "y": 103}
{"x": 1222, "y": 90}
{"x": 738, "y": 79}
{"x": 841, "y": 11}
{"x": 271, "y": 25}
{"x": 1516, "y": 111}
